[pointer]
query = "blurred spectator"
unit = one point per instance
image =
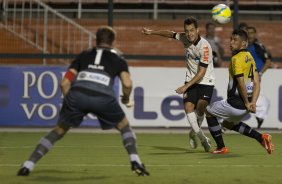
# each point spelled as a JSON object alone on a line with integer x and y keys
{"x": 243, "y": 26}
{"x": 262, "y": 59}
{"x": 215, "y": 42}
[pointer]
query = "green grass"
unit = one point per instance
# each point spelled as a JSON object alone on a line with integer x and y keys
{"x": 100, "y": 158}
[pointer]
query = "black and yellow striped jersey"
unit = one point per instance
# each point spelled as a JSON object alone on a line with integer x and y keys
{"x": 242, "y": 65}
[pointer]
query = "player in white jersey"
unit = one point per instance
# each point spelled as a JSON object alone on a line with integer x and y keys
{"x": 200, "y": 80}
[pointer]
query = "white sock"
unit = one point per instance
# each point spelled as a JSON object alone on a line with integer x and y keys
{"x": 135, "y": 157}
{"x": 192, "y": 119}
{"x": 202, "y": 136}
{"x": 29, "y": 164}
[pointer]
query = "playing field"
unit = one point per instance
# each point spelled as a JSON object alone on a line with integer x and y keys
{"x": 100, "y": 158}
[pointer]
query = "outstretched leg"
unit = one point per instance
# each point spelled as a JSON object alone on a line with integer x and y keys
{"x": 263, "y": 139}
{"x": 44, "y": 145}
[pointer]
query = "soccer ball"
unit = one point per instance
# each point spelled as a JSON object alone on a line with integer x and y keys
{"x": 221, "y": 14}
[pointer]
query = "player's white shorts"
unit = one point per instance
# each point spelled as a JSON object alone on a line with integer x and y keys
{"x": 262, "y": 106}
{"x": 224, "y": 111}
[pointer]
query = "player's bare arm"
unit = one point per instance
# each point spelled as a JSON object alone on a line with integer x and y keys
{"x": 243, "y": 92}
{"x": 256, "y": 88}
{"x": 126, "y": 86}
{"x": 163, "y": 33}
{"x": 195, "y": 79}
{"x": 67, "y": 80}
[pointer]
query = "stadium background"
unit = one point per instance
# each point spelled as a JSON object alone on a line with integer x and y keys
{"x": 39, "y": 39}
{"x": 37, "y": 43}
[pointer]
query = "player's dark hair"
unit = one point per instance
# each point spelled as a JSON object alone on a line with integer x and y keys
{"x": 243, "y": 34}
{"x": 252, "y": 28}
{"x": 105, "y": 34}
{"x": 191, "y": 20}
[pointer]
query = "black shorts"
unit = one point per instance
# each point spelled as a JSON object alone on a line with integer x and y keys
{"x": 197, "y": 92}
{"x": 77, "y": 104}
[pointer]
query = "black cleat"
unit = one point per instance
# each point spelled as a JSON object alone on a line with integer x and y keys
{"x": 23, "y": 171}
{"x": 139, "y": 169}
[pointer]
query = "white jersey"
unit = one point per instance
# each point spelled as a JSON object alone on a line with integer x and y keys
{"x": 198, "y": 54}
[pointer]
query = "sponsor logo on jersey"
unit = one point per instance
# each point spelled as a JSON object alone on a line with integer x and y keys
{"x": 246, "y": 58}
{"x": 206, "y": 54}
{"x": 94, "y": 77}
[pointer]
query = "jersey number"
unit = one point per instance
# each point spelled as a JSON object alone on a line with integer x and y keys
{"x": 251, "y": 72}
{"x": 98, "y": 57}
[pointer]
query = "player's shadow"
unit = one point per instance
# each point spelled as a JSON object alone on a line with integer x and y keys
{"x": 55, "y": 176}
{"x": 221, "y": 156}
{"x": 173, "y": 150}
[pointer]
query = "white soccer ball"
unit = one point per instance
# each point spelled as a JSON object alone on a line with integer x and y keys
{"x": 221, "y": 14}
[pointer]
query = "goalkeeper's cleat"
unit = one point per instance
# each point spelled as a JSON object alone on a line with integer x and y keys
{"x": 23, "y": 171}
{"x": 206, "y": 144}
{"x": 223, "y": 150}
{"x": 192, "y": 139}
{"x": 267, "y": 143}
{"x": 139, "y": 169}
{"x": 26, "y": 168}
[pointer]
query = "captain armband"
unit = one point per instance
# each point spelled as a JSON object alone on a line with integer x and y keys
{"x": 205, "y": 65}
{"x": 69, "y": 75}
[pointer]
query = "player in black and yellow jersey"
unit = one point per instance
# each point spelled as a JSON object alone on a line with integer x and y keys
{"x": 242, "y": 69}
{"x": 243, "y": 91}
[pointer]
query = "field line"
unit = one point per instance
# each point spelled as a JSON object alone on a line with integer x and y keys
{"x": 152, "y": 165}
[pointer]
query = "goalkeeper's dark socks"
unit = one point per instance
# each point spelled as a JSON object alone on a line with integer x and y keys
{"x": 215, "y": 130}
{"x": 246, "y": 130}
{"x": 129, "y": 141}
{"x": 45, "y": 144}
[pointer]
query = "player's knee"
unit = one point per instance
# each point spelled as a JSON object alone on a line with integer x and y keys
{"x": 123, "y": 123}
{"x": 201, "y": 106}
{"x": 189, "y": 105}
{"x": 61, "y": 130}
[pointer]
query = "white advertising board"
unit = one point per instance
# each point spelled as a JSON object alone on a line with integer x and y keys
{"x": 157, "y": 104}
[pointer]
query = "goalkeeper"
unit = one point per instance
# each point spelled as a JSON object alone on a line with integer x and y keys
{"x": 88, "y": 88}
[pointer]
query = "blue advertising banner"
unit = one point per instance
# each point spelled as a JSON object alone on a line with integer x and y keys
{"x": 31, "y": 96}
